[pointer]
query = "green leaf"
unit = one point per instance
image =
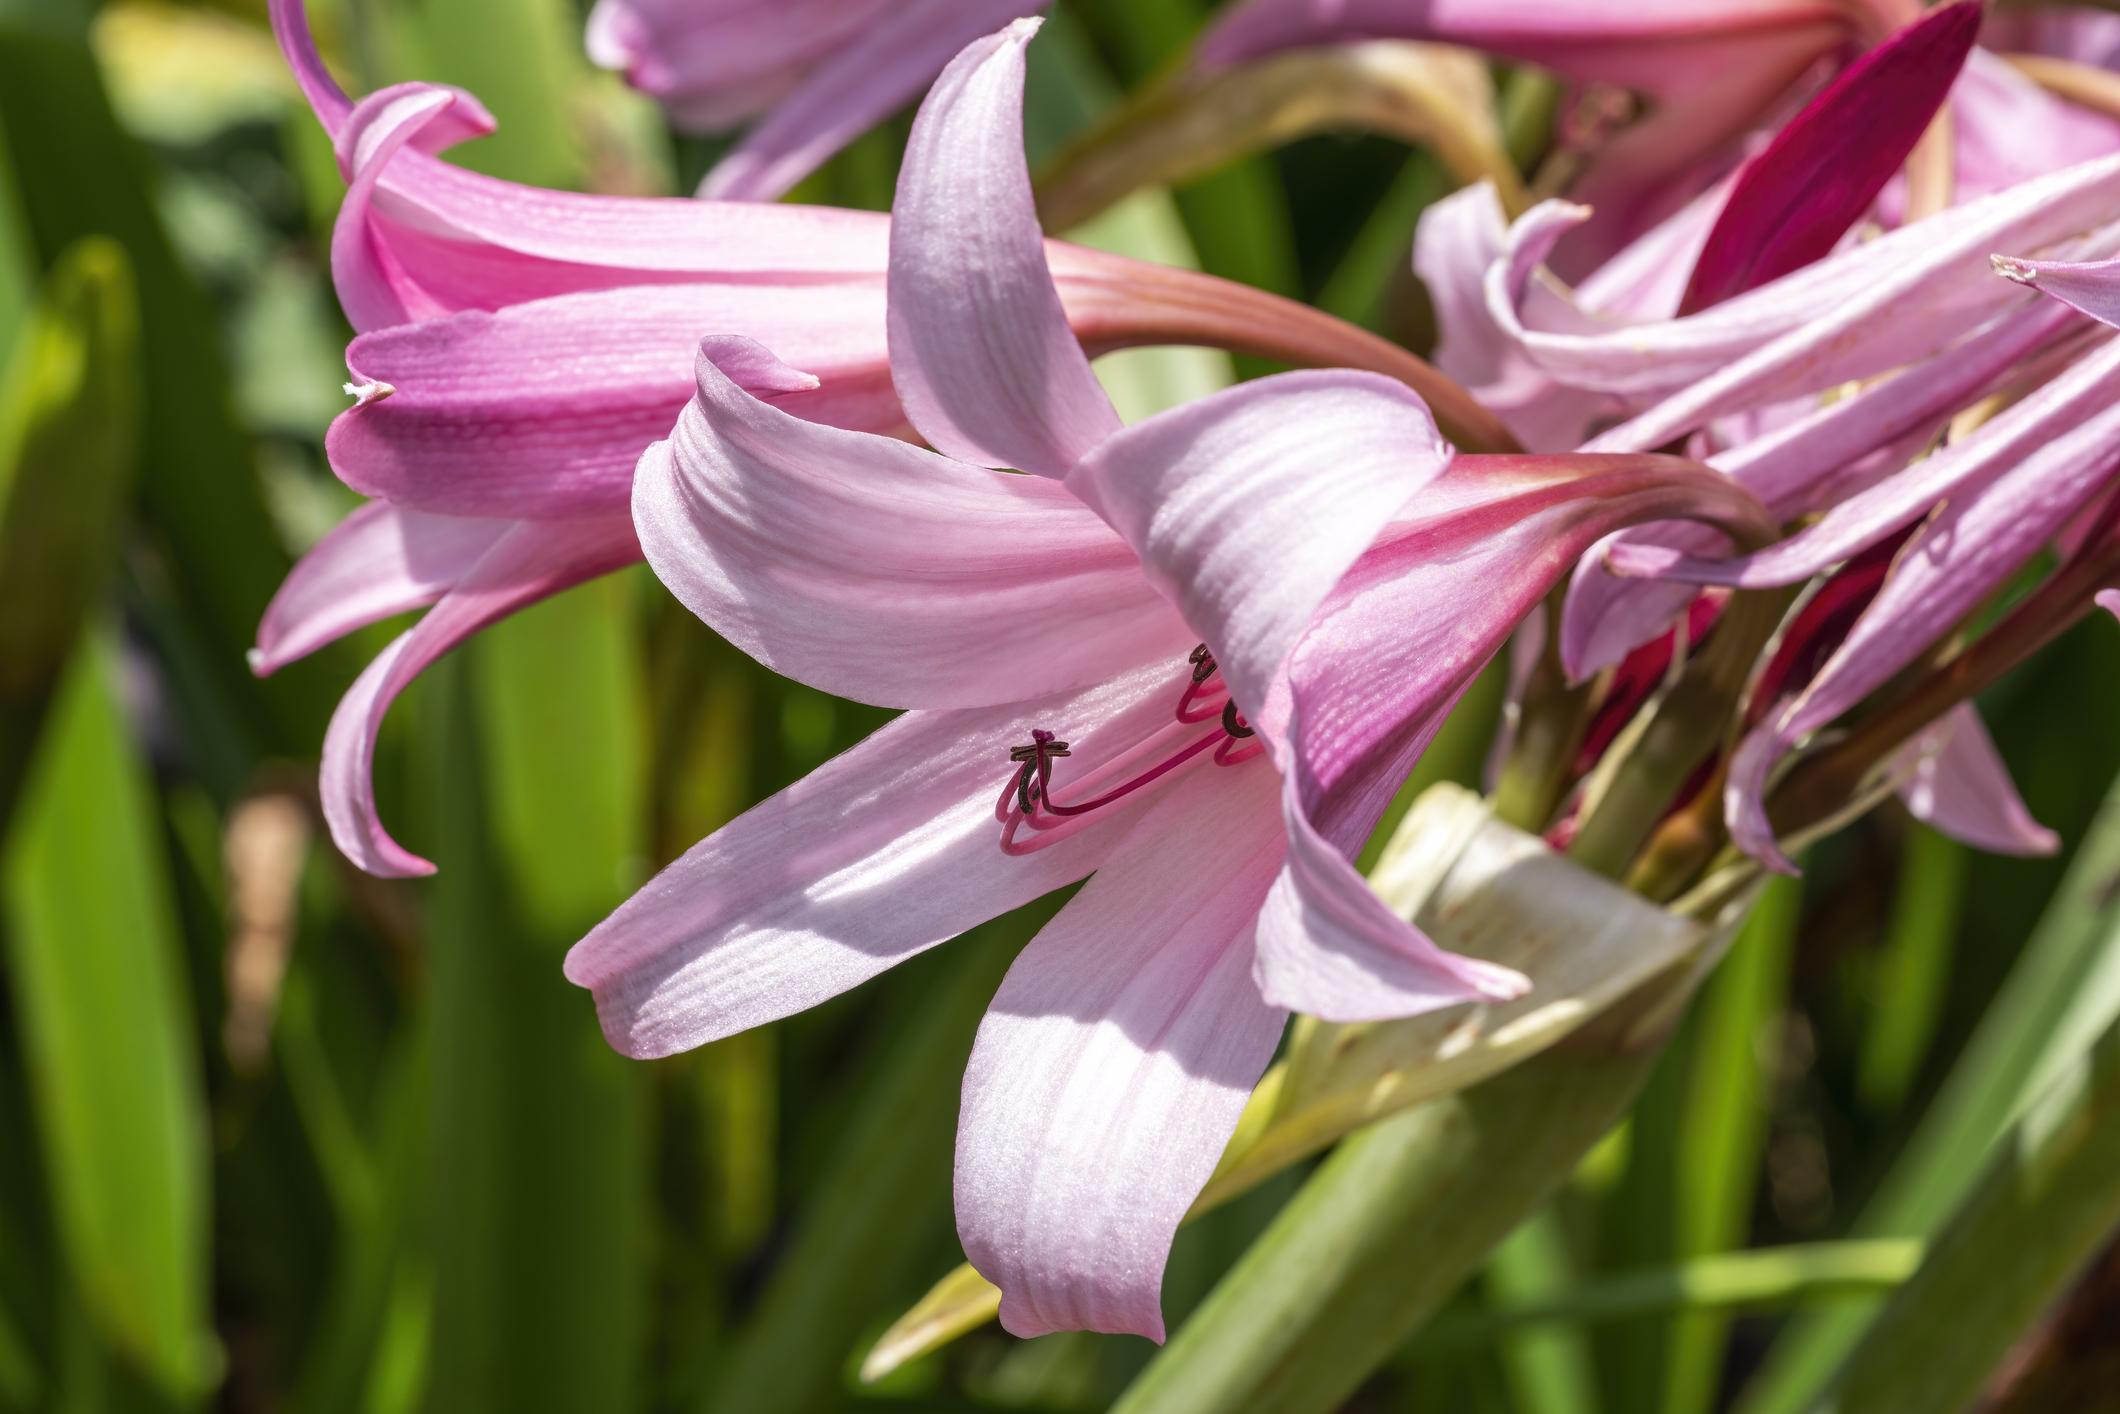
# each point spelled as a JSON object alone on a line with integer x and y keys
{"x": 2063, "y": 992}
{"x": 2048, "y": 1202}
{"x": 524, "y": 60}
{"x": 541, "y": 1183}
{"x": 884, "y": 1205}
{"x": 68, "y": 420}
{"x": 104, "y": 1025}
{"x": 1550, "y": 1371}
{"x": 1913, "y": 968}
{"x": 1764, "y": 1279}
{"x": 77, "y": 174}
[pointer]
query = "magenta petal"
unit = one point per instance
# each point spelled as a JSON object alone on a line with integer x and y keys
{"x": 1246, "y": 507}
{"x": 871, "y": 76}
{"x": 541, "y": 410}
{"x": 1794, "y": 201}
{"x": 980, "y": 347}
{"x": 532, "y": 561}
{"x": 379, "y": 561}
{"x": 872, "y": 858}
{"x": 372, "y": 286}
{"x": 1114, "y": 1062}
{"x": 883, "y": 572}
{"x": 1960, "y": 786}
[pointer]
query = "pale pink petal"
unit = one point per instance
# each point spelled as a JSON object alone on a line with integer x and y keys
{"x": 1961, "y": 557}
{"x": 871, "y": 76}
{"x": 1815, "y": 460}
{"x": 541, "y": 410}
{"x": 1377, "y": 671}
{"x": 1875, "y": 306}
{"x": 1246, "y": 507}
{"x": 379, "y": 561}
{"x": 533, "y": 561}
{"x": 1961, "y": 469}
{"x": 2091, "y": 286}
{"x": 2008, "y": 129}
{"x": 1960, "y": 785}
{"x": 883, "y": 572}
{"x": 872, "y": 858}
{"x": 980, "y": 347}
{"x": 473, "y": 241}
{"x": 1661, "y": 46}
{"x": 1113, "y": 1064}
{"x": 714, "y": 63}
{"x": 2109, "y": 600}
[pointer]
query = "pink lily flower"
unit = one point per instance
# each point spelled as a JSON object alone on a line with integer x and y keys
{"x": 518, "y": 349}
{"x": 1189, "y": 660}
{"x": 821, "y": 71}
{"x": 1712, "y": 70}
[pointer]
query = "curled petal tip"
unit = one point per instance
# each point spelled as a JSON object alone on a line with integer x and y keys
{"x": 260, "y": 665}
{"x": 2009, "y": 267}
{"x": 1493, "y": 981}
{"x": 367, "y": 391}
{"x": 2110, "y": 602}
{"x": 1022, "y": 31}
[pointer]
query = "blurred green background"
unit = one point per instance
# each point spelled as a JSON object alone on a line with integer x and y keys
{"x": 274, "y": 1135}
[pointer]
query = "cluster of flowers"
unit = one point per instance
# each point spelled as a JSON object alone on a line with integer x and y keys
{"x": 1788, "y": 419}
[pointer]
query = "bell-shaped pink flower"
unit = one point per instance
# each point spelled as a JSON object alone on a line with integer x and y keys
{"x": 1189, "y": 660}
{"x": 822, "y": 72}
{"x": 518, "y": 348}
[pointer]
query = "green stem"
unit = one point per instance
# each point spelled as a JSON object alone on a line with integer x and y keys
{"x": 2045, "y": 1206}
{"x": 1552, "y": 717}
{"x": 1684, "y": 727}
{"x": 1381, "y": 1235}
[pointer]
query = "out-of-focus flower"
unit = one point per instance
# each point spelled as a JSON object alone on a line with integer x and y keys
{"x": 822, "y": 72}
{"x": 1711, "y": 72}
{"x": 518, "y": 348}
{"x": 1191, "y": 660}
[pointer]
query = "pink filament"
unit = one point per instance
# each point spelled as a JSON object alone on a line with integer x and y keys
{"x": 1206, "y": 698}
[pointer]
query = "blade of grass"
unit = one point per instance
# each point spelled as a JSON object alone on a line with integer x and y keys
{"x": 1550, "y": 1370}
{"x": 539, "y": 1140}
{"x": 69, "y": 415}
{"x": 2047, "y": 1203}
{"x": 1723, "y": 1126}
{"x": 2063, "y": 991}
{"x": 883, "y": 1210}
{"x": 1913, "y": 972}
{"x": 103, "y": 1022}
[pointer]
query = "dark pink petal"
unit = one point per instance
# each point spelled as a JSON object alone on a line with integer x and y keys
{"x": 980, "y": 347}
{"x": 1246, "y": 507}
{"x": 533, "y": 561}
{"x": 1114, "y": 1062}
{"x": 373, "y": 288}
{"x": 540, "y": 411}
{"x": 872, "y": 858}
{"x": 883, "y": 572}
{"x": 872, "y": 75}
{"x": 1794, "y": 201}
{"x": 379, "y": 561}
{"x": 1958, "y": 784}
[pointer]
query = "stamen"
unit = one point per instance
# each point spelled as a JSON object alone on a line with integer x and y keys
{"x": 1027, "y": 800}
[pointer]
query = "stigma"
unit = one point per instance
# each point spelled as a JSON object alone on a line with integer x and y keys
{"x": 1205, "y": 723}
